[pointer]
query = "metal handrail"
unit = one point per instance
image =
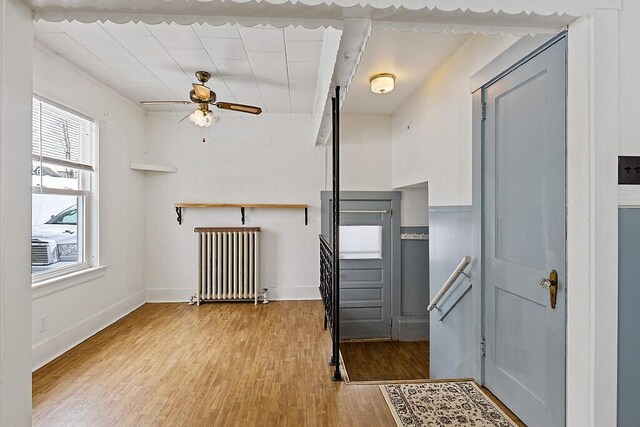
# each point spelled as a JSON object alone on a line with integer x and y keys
{"x": 326, "y": 281}
{"x": 450, "y": 281}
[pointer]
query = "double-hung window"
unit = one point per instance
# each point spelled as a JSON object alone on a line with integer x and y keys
{"x": 62, "y": 175}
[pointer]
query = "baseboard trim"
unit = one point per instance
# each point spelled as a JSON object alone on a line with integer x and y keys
{"x": 413, "y": 328}
{"x": 170, "y": 294}
{"x": 294, "y": 293}
{"x": 48, "y": 350}
{"x": 284, "y": 293}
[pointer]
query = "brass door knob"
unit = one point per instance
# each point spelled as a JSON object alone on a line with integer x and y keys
{"x": 552, "y": 284}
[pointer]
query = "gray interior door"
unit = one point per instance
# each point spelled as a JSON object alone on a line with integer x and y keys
{"x": 524, "y": 237}
{"x": 365, "y": 269}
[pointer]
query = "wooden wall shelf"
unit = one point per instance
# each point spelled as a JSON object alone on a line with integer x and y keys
{"x": 242, "y": 206}
{"x": 148, "y": 167}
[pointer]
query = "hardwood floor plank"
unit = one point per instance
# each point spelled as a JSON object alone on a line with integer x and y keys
{"x": 386, "y": 360}
{"x": 217, "y": 364}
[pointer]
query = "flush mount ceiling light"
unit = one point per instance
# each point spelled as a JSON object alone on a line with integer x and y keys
{"x": 382, "y": 83}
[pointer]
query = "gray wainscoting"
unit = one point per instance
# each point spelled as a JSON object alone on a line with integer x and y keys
{"x": 628, "y": 317}
{"x": 453, "y": 344}
{"x": 413, "y": 323}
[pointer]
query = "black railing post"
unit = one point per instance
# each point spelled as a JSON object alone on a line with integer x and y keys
{"x": 337, "y": 376}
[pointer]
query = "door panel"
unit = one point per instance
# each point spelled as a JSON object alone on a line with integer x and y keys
{"x": 524, "y": 237}
{"x": 365, "y": 269}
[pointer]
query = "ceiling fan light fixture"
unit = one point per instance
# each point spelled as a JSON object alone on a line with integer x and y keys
{"x": 202, "y": 118}
{"x": 382, "y": 83}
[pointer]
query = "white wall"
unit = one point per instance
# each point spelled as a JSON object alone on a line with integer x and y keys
{"x": 365, "y": 163}
{"x": 76, "y": 312}
{"x": 245, "y": 159}
{"x": 432, "y": 130}
{"x": 15, "y": 182}
{"x": 365, "y": 153}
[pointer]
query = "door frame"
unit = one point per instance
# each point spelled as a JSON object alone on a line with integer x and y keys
{"x": 591, "y": 214}
{"x": 394, "y": 197}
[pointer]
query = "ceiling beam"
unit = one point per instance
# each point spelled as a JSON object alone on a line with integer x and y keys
{"x": 355, "y": 33}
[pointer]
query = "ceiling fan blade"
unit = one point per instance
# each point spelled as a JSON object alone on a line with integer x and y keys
{"x": 239, "y": 107}
{"x": 202, "y": 91}
{"x": 164, "y": 102}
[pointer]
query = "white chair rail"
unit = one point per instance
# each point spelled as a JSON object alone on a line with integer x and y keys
{"x": 450, "y": 281}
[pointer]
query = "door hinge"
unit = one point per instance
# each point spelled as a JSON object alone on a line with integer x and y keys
{"x": 484, "y": 111}
{"x": 483, "y": 347}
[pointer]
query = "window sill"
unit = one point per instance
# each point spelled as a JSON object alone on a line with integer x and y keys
{"x": 57, "y": 284}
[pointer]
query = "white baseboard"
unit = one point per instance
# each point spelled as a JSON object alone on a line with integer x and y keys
{"x": 293, "y": 293}
{"x": 170, "y": 294}
{"x": 46, "y": 351}
{"x": 284, "y": 293}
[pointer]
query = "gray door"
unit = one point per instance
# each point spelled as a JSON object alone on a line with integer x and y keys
{"x": 365, "y": 269}
{"x": 524, "y": 237}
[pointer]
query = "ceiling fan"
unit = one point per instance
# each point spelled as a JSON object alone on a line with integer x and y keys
{"x": 203, "y": 96}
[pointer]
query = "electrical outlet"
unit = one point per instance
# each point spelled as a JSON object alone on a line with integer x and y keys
{"x": 629, "y": 170}
{"x": 42, "y": 321}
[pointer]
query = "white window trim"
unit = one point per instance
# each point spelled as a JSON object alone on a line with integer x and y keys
{"x": 90, "y": 269}
{"x": 68, "y": 280}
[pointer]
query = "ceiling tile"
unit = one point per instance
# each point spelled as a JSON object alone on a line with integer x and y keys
{"x": 244, "y": 89}
{"x": 304, "y": 51}
{"x": 263, "y": 39}
{"x": 113, "y": 54}
{"x": 303, "y": 69}
{"x": 175, "y": 78}
{"x": 149, "y": 52}
{"x": 275, "y": 61}
{"x": 224, "y": 48}
{"x": 175, "y": 36}
{"x": 232, "y": 67}
{"x": 226, "y": 31}
{"x": 303, "y": 34}
{"x": 192, "y": 60}
{"x": 303, "y": 84}
{"x": 89, "y": 34}
{"x": 46, "y": 27}
{"x": 275, "y": 97}
{"x": 135, "y": 73}
{"x": 61, "y": 44}
{"x": 93, "y": 66}
{"x": 302, "y": 101}
{"x": 271, "y": 77}
{"x": 125, "y": 30}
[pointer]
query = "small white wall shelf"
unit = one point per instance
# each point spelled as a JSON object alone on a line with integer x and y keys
{"x": 149, "y": 167}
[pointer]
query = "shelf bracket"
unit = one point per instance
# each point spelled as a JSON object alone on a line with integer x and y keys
{"x": 306, "y": 216}
{"x": 179, "y": 214}
{"x": 242, "y": 213}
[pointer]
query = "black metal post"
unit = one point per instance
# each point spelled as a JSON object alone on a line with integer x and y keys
{"x": 337, "y": 376}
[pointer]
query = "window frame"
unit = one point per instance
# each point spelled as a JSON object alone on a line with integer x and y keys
{"x": 87, "y": 193}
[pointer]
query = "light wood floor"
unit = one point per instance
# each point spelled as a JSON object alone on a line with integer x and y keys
{"x": 214, "y": 365}
{"x": 386, "y": 360}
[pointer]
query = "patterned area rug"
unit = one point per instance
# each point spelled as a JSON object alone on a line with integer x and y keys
{"x": 450, "y": 403}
